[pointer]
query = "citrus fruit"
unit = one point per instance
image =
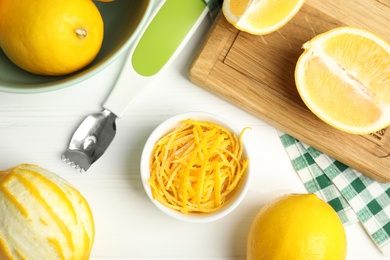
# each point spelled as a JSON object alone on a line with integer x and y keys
{"x": 42, "y": 216}
{"x": 343, "y": 77}
{"x": 297, "y": 227}
{"x": 50, "y": 37}
{"x": 260, "y": 17}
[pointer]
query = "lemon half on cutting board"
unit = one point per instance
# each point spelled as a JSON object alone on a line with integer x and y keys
{"x": 343, "y": 76}
{"x": 260, "y": 17}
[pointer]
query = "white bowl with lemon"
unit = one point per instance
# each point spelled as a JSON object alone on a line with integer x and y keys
{"x": 195, "y": 167}
{"x": 48, "y": 45}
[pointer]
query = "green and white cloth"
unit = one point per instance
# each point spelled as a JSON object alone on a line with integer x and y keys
{"x": 354, "y": 196}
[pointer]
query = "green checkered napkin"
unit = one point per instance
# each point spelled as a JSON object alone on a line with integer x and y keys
{"x": 354, "y": 196}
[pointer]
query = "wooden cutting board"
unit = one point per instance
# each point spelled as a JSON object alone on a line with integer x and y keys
{"x": 256, "y": 73}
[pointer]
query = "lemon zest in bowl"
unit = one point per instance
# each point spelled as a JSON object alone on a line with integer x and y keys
{"x": 196, "y": 166}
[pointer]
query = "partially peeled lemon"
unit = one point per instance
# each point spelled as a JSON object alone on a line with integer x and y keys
{"x": 42, "y": 216}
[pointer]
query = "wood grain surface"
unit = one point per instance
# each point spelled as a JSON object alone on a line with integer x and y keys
{"x": 256, "y": 73}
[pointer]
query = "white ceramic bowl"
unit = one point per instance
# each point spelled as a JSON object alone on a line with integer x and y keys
{"x": 164, "y": 128}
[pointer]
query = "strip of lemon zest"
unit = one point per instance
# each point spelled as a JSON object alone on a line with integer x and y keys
{"x": 217, "y": 187}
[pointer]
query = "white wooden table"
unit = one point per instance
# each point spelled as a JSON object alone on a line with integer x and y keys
{"x": 36, "y": 128}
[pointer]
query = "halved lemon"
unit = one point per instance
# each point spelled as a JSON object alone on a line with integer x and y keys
{"x": 260, "y": 17}
{"x": 343, "y": 76}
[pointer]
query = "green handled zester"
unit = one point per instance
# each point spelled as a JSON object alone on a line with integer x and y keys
{"x": 160, "y": 43}
{"x": 163, "y": 37}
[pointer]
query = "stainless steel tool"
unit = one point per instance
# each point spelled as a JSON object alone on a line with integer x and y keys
{"x": 173, "y": 20}
{"x": 90, "y": 140}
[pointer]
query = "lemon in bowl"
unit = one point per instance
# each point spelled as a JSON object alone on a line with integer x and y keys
{"x": 122, "y": 22}
{"x": 195, "y": 167}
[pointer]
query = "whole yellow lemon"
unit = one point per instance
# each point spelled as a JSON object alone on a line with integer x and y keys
{"x": 50, "y": 37}
{"x": 297, "y": 226}
{"x": 42, "y": 216}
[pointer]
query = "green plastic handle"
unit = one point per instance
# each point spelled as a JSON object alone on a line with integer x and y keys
{"x": 165, "y": 34}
